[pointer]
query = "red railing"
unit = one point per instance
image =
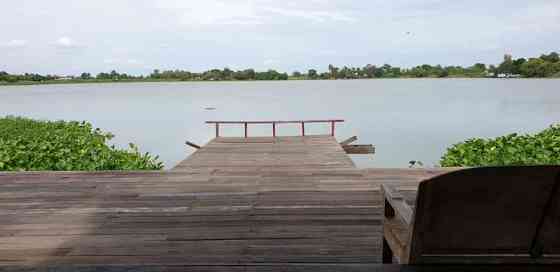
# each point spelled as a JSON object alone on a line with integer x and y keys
{"x": 274, "y": 123}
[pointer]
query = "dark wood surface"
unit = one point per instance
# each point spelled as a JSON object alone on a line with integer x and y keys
{"x": 288, "y": 268}
{"x": 194, "y": 218}
{"x": 226, "y": 208}
{"x": 486, "y": 215}
{"x": 363, "y": 149}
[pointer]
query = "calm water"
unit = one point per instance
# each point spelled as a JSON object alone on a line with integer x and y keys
{"x": 405, "y": 119}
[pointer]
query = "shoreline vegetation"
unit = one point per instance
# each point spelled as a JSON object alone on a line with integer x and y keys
{"x": 40, "y": 145}
{"x": 36, "y": 145}
{"x": 545, "y": 66}
{"x": 542, "y": 148}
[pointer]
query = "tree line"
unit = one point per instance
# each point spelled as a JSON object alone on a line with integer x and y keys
{"x": 547, "y": 65}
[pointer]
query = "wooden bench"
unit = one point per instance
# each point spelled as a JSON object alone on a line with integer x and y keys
{"x": 490, "y": 215}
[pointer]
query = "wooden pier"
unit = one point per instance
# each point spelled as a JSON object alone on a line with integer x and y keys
{"x": 269, "y": 153}
{"x": 236, "y": 204}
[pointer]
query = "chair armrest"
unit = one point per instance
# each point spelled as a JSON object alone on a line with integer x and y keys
{"x": 397, "y": 205}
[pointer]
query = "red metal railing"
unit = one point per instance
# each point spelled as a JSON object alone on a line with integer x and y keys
{"x": 274, "y": 123}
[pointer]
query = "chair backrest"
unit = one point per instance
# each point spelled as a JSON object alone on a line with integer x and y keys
{"x": 488, "y": 215}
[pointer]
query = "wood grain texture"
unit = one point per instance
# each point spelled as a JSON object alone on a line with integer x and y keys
{"x": 349, "y": 140}
{"x": 234, "y": 204}
{"x": 269, "y": 153}
{"x": 359, "y": 149}
{"x": 489, "y": 215}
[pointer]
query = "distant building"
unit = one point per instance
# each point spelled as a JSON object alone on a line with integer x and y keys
{"x": 64, "y": 77}
{"x": 508, "y": 75}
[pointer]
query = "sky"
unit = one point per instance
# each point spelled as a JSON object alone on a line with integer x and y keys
{"x": 137, "y": 36}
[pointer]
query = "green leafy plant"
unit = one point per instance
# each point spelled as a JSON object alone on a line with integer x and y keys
{"x": 32, "y": 145}
{"x": 538, "y": 149}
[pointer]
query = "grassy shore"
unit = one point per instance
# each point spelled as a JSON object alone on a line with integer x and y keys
{"x": 82, "y": 81}
{"x": 79, "y": 81}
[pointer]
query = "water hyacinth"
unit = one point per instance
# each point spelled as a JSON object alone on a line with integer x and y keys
{"x": 542, "y": 148}
{"x": 32, "y": 145}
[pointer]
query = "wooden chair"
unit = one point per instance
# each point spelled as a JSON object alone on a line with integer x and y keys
{"x": 491, "y": 215}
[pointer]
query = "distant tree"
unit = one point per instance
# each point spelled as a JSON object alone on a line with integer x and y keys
{"x": 155, "y": 74}
{"x": 535, "y": 67}
{"x": 442, "y": 72}
{"x": 369, "y": 71}
{"x": 378, "y": 72}
{"x": 396, "y": 71}
{"x": 552, "y": 57}
{"x": 228, "y": 74}
{"x": 85, "y": 76}
{"x": 546, "y": 65}
{"x": 250, "y": 74}
{"x": 493, "y": 70}
{"x": 556, "y": 69}
{"x": 333, "y": 71}
{"x": 103, "y": 76}
{"x": 506, "y": 67}
{"x": 517, "y": 65}
{"x": 480, "y": 67}
{"x": 312, "y": 74}
{"x": 344, "y": 73}
{"x": 114, "y": 75}
{"x": 4, "y": 76}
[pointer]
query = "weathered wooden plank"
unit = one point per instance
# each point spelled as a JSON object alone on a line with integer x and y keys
{"x": 234, "y": 202}
{"x": 309, "y": 152}
{"x": 359, "y": 149}
{"x": 193, "y": 145}
{"x": 349, "y": 140}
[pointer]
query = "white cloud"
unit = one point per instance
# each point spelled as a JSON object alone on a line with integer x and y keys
{"x": 326, "y": 52}
{"x": 121, "y": 62}
{"x": 314, "y": 16}
{"x": 270, "y": 61}
{"x": 14, "y": 44}
{"x": 66, "y": 42}
{"x": 249, "y": 12}
{"x": 213, "y": 12}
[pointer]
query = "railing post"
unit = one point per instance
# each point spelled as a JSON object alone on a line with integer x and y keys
{"x": 274, "y": 123}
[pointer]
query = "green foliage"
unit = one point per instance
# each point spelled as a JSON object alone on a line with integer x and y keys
{"x": 538, "y": 149}
{"x": 218, "y": 75}
{"x": 30, "y": 145}
{"x": 506, "y": 67}
{"x": 538, "y": 67}
{"x": 547, "y": 65}
{"x": 113, "y": 75}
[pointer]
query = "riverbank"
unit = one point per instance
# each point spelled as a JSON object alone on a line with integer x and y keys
{"x": 96, "y": 81}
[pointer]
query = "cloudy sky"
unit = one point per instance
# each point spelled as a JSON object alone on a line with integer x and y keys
{"x": 137, "y": 36}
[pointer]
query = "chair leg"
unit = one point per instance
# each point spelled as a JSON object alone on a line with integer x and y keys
{"x": 387, "y": 253}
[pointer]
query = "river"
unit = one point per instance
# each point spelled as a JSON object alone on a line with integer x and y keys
{"x": 406, "y": 119}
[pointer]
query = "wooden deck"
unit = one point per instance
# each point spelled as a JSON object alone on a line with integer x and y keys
{"x": 269, "y": 153}
{"x": 235, "y": 204}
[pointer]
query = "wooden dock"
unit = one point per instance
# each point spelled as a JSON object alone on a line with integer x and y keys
{"x": 269, "y": 153}
{"x": 271, "y": 203}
